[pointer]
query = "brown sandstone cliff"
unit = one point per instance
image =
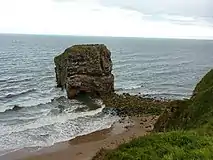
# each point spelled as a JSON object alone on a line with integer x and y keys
{"x": 85, "y": 68}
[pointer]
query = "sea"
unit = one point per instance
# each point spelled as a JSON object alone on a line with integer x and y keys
{"x": 35, "y": 113}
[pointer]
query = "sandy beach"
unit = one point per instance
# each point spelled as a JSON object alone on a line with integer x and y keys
{"x": 86, "y": 146}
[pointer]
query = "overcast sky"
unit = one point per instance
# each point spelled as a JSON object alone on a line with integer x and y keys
{"x": 130, "y": 18}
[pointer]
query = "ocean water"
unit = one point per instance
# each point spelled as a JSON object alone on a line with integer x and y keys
{"x": 158, "y": 67}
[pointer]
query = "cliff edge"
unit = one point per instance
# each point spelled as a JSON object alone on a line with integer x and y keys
{"x": 192, "y": 113}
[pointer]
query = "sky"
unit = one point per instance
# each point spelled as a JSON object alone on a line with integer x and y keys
{"x": 118, "y": 18}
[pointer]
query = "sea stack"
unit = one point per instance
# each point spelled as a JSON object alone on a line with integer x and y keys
{"x": 85, "y": 69}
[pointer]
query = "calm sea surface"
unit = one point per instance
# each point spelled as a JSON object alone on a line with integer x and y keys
{"x": 158, "y": 67}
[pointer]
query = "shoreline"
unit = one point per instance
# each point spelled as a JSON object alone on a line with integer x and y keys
{"x": 86, "y": 146}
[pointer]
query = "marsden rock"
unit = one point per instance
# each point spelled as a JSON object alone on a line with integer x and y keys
{"x": 85, "y": 69}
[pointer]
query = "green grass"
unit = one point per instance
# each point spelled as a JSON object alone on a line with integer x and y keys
{"x": 176, "y": 145}
{"x": 205, "y": 83}
{"x": 200, "y": 112}
{"x": 187, "y": 127}
{"x": 192, "y": 113}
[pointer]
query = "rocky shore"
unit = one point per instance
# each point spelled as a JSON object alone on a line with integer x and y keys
{"x": 134, "y": 105}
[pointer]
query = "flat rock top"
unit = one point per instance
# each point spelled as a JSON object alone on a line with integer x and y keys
{"x": 85, "y": 48}
{"x": 89, "y": 50}
{"x": 86, "y": 59}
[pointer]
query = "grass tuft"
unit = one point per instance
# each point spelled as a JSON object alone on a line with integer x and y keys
{"x": 176, "y": 145}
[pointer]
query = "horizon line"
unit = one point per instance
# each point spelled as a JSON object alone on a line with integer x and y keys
{"x": 139, "y": 37}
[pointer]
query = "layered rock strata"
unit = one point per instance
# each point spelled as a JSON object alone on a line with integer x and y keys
{"x": 85, "y": 69}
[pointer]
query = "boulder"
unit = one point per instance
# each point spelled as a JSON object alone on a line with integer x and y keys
{"x": 85, "y": 68}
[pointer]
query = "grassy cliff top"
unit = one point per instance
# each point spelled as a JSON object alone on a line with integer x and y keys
{"x": 205, "y": 83}
{"x": 194, "y": 113}
{"x": 176, "y": 145}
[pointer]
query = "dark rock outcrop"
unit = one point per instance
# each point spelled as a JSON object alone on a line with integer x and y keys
{"x": 133, "y": 105}
{"x": 85, "y": 68}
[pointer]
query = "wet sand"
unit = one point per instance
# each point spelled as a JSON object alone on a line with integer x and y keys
{"x": 85, "y": 147}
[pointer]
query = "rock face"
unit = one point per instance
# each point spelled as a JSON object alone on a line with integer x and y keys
{"x": 86, "y": 69}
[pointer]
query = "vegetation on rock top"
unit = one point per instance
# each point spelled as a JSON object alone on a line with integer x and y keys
{"x": 86, "y": 48}
{"x": 204, "y": 84}
{"x": 191, "y": 113}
